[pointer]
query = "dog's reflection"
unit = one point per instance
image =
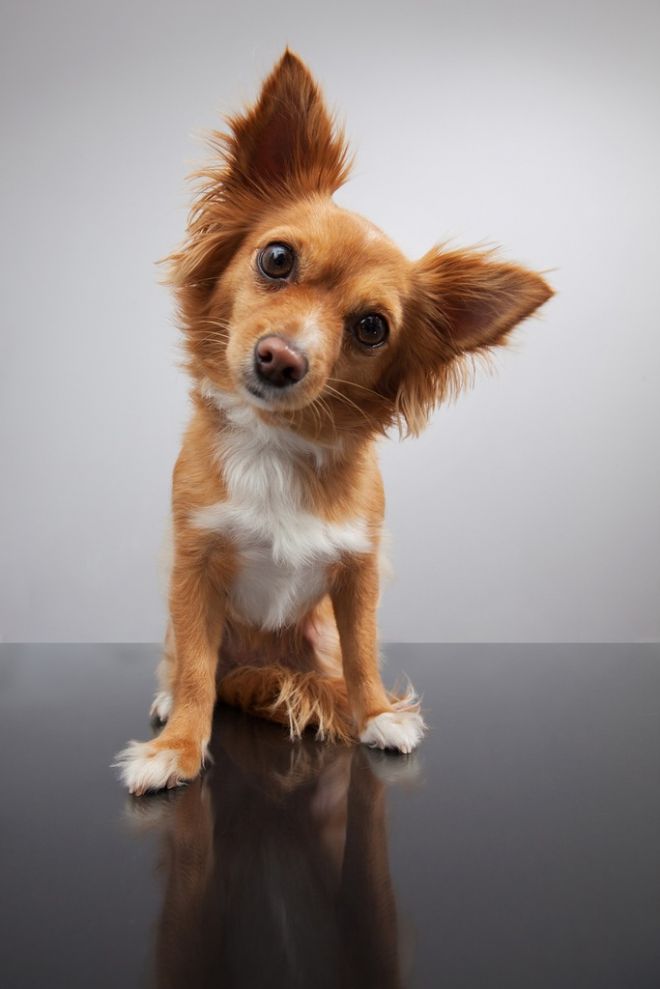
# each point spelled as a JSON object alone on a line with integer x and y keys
{"x": 276, "y": 867}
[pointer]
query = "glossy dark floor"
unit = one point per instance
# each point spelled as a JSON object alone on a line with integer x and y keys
{"x": 520, "y": 847}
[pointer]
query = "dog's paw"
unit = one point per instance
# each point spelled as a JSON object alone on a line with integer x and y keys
{"x": 149, "y": 766}
{"x": 400, "y": 731}
{"x": 161, "y": 708}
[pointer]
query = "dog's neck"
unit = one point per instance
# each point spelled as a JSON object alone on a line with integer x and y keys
{"x": 275, "y": 431}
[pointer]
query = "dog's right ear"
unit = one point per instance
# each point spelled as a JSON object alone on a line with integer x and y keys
{"x": 287, "y": 143}
{"x": 285, "y": 146}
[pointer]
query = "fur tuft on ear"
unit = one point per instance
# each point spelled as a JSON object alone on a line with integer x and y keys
{"x": 283, "y": 147}
{"x": 462, "y": 304}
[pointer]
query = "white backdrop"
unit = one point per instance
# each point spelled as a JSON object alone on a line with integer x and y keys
{"x": 529, "y": 511}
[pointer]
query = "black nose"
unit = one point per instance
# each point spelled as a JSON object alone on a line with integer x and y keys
{"x": 279, "y": 362}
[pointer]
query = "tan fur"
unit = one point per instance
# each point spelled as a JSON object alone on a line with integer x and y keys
{"x": 297, "y": 700}
{"x": 272, "y": 181}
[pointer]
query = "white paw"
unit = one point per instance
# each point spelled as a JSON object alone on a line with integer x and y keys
{"x": 144, "y": 768}
{"x": 162, "y": 706}
{"x": 398, "y": 730}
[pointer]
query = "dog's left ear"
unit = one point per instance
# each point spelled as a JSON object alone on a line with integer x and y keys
{"x": 461, "y": 303}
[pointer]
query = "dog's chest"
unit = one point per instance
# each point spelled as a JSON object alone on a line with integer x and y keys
{"x": 284, "y": 550}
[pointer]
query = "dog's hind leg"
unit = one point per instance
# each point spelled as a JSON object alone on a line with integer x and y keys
{"x": 162, "y": 702}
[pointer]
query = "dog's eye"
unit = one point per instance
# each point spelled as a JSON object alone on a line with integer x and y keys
{"x": 276, "y": 260}
{"x": 371, "y": 330}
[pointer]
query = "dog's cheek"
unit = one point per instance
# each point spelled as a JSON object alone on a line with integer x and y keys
{"x": 361, "y": 369}
{"x": 327, "y": 357}
{"x": 238, "y": 353}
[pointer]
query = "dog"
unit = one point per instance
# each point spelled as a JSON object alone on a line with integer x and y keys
{"x": 308, "y": 334}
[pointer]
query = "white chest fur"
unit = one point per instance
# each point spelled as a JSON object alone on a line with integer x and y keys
{"x": 284, "y": 549}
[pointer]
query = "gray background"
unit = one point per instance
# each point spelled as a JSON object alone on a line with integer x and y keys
{"x": 529, "y": 511}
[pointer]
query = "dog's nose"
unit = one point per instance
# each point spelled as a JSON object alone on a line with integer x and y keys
{"x": 279, "y": 362}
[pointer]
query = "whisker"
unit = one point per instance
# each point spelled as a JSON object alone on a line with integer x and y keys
{"x": 211, "y": 339}
{"x": 325, "y": 408}
{"x": 354, "y": 384}
{"x": 350, "y": 404}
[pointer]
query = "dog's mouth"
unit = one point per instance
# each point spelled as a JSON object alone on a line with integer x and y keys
{"x": 273, "y": 398}
{"x": 261, "y": 395}
{"x": 255, "y": 391}
{"x": 282, "y": 396}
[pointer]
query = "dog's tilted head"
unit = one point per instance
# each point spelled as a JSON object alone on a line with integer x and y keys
{"x": 309, "y": 312}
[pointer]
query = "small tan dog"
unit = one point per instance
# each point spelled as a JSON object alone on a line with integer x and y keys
{"x": 308, "y": 335}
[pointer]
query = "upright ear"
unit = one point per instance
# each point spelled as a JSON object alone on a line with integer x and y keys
{"x": 462, "y": 303}
{"x": 287, "y": 142}
{"x": 284, "y": 146}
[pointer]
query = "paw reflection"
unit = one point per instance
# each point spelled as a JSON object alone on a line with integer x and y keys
{"x": 276, "y": 867}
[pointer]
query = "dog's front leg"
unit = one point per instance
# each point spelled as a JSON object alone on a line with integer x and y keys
{"x": 197, "y": 615}
{"x": 383, "y": 722}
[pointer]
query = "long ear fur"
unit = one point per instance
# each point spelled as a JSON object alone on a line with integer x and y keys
{"x": 463, "y": 303}
{"x": 284, "y": 147}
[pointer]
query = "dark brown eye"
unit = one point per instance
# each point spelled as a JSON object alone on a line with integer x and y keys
{"x": 276, "y": 261}
{"x": 371, "y": 330}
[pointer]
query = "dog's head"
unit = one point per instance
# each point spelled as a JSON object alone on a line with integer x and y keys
{"x": 307, "y": 311}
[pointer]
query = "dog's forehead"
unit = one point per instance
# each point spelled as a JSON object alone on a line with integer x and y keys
{"x": 334, "y": 235}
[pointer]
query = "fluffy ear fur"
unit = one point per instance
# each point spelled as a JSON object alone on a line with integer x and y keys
{"x": 285, "y": 146}
{"x": 462, "y": 303}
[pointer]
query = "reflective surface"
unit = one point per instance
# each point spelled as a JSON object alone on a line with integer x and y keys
{"x": 520, "y": 847}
